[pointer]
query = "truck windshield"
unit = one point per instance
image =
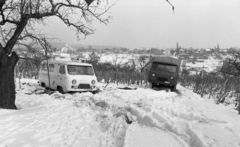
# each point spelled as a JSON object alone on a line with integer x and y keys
{"x": 164, "y": 67}
{"x": 80, "y": 70}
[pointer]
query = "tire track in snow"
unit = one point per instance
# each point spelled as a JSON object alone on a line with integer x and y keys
{"x": 111, "y": 114}
{"x": 161, "y": 119}
{"x": 153, "y": 119}
{"x": 109, "y": 119}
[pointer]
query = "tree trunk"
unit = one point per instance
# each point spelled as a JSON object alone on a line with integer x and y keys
{"x": 238, "y": 104}
{"x": 7, "y": 85}
{"x": 46, "y": 56}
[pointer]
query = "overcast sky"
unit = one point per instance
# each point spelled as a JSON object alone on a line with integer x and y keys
{"x": 152, "y": 23}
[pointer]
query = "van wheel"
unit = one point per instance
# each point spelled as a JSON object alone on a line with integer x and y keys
{"x": 43, "y": 85}
{"x": 153, "y": 85}
{"x": 60, "y": 90}
{"x": 173, "y": 88}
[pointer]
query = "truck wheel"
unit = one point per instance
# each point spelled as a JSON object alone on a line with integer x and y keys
{"x": 153, "y": 85}
{"x": 60, "y": 90}
{"x": 173, "y": 88}
{"x": 43, "y": 85}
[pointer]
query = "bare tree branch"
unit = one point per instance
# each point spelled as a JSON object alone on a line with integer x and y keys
{"x": 17, "y": 33}
{"x": 171, "y": 5}
{"x": 231, "y": 65}
{"x": 23, "y": 14}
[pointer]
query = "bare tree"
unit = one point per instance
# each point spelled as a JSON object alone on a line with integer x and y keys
{"x": 142, "y": 61}
{"x": 115, "y": 59}
{"x": 231, "y": 65}
{"x": 17, "y": 24}
{"x": 94, "y": 57}
{"x": 46, "y": 47}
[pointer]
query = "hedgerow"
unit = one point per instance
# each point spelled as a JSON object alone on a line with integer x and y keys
{"x": 219, "y": 86}
{"x": 222, "y": 88}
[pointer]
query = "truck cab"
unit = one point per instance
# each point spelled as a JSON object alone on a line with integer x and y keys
{"x": 163, "y": 71}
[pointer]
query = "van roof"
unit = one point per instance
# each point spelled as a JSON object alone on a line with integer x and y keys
{"x": 68, "y": 62}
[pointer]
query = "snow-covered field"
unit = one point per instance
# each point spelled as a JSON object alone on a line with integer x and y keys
{"x": 117, "y": 118}
{"x": 209, "y": 65}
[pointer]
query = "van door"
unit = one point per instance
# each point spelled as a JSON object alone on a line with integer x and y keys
{"x": 43, "y": 75}
{"x": 52, "y": 76}
{"x": 55, "y": 73}
{"x": 61, "y": 77}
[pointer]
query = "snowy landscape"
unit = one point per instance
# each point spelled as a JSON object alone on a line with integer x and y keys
{"x": 120, "y": 115}
{"x": 117, "y": 117}
{"x": 100, "y": 73}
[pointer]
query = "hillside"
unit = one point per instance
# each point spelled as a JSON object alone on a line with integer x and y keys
{"x": 114, "y": 117}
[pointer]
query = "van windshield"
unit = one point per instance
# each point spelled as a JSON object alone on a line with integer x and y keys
{"x": 164, "y": 67}
{"x": 80, "y": 70}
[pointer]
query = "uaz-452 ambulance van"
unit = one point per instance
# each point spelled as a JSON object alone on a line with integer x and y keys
{"x": 68, "y": 76}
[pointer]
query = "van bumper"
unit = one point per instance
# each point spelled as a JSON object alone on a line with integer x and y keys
{"x": 81, "y": 90}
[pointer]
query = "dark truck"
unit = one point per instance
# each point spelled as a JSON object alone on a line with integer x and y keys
{"x": 163, "y": 71}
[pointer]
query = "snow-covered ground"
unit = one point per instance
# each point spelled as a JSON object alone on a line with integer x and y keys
{"x": 117, "y": 118}
{"x": 209, "y": 65}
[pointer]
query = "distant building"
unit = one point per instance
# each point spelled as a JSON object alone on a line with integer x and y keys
{"x": 202, "y": 51}
{"x": 208, "y": 50}
{"x": 68, "y": 49}
{"x": 183, "y": 56}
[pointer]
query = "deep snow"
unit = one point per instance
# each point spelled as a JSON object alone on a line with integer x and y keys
{"x": 117, "y": 118}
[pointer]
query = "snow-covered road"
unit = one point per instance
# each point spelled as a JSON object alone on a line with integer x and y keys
{"x": 118, "y": 118}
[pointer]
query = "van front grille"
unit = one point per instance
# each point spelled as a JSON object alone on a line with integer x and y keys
{"x": 83, "y": 86}
{"x": 162, "y": 79}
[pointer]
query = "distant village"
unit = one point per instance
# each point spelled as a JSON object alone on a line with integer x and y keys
{"x": 195, "y": 60}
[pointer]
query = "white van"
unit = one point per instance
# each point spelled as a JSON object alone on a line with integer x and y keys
{"x": 68, "y": 76}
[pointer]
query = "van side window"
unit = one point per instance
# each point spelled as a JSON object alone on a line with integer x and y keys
{"x": 62, "y": 70}
{"x": 51, "y": 67}
{"x": 44, "y": 66}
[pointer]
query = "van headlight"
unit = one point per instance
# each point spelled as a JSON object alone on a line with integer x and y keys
{"x": 153, "y": 75}
{"x": 74, "y": 82}
{"x": 171, "y": 77}
{"x": 93, "y": 82}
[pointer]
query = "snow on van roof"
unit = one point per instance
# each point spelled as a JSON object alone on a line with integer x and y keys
{"x": 69, "y": 62}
